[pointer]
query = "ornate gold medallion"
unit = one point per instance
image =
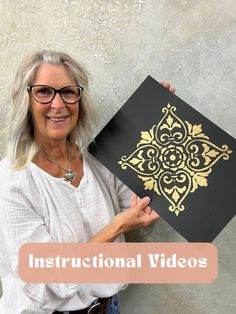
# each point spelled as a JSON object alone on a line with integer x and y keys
{"x": 174, "y": 158}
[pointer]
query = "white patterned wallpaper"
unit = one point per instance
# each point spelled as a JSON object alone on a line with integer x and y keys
{"x": 191, "y": 43}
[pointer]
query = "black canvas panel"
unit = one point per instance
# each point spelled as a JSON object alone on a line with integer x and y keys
{"x": 160, "y": 146}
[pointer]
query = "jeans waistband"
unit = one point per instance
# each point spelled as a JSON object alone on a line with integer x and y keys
{"x": 99, "y": 306}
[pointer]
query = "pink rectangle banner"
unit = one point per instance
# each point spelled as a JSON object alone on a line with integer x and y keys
{"x": 118, "y": 263}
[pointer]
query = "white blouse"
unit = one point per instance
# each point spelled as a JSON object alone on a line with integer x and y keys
{"x": 36, "y": 207}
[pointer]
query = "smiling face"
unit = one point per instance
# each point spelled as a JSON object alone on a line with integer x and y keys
{"x": 53, "y": 121}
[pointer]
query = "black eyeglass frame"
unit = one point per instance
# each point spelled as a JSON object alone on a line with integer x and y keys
{"x": 29, "y": 88}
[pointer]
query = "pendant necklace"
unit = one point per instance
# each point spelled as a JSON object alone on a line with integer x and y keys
{"x": 69, "y": 175}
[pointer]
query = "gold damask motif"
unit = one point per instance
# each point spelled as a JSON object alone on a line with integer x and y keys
{"x": 174, "y": 158}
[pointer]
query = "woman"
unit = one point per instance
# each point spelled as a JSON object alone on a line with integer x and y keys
{"x": 53, "y": 191}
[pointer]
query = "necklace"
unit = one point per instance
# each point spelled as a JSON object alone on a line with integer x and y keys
{"x": 69, "y": 175}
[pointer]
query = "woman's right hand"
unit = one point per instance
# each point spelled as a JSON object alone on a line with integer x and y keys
{"x": 138, "y": 215}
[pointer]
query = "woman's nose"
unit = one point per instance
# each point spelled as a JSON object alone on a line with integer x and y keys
{"x": 57, "y": 102}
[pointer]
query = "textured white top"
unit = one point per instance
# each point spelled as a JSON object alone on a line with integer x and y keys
{"x": 36, "y": 207}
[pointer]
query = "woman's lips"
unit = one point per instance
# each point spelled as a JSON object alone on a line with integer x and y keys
{"x": 57, "y": 119}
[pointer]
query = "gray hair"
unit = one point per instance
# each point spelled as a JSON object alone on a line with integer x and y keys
{"x": 19, "y": 133}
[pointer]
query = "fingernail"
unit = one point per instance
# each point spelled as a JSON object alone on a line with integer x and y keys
{"x": 147, "y": 199}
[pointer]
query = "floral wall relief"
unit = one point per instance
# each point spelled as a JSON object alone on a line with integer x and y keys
{"x": 96, "y": 26}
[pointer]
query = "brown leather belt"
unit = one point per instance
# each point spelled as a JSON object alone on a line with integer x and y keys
{"x": 100, "y": 306}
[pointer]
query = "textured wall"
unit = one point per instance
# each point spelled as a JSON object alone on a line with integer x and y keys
{"x": 191, "y": 43}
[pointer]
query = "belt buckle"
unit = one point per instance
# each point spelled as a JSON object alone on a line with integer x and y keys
{"x": 90, "y": 310}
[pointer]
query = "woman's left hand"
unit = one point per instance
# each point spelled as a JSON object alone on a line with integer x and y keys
{"x": 167, "y": 85}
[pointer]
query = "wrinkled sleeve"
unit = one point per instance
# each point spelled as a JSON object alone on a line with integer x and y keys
{"x": 21, "y": 223}
{"x": 124, "y": 195}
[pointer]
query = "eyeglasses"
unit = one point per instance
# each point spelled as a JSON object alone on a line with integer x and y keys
{"x": 45, "y": 94}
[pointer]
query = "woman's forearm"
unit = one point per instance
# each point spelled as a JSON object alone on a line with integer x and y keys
{"x": 109, "y": 233}
{"x": 138, "y": 215}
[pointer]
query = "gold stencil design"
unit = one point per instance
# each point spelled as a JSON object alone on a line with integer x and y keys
{"x": 174, "y": 158}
